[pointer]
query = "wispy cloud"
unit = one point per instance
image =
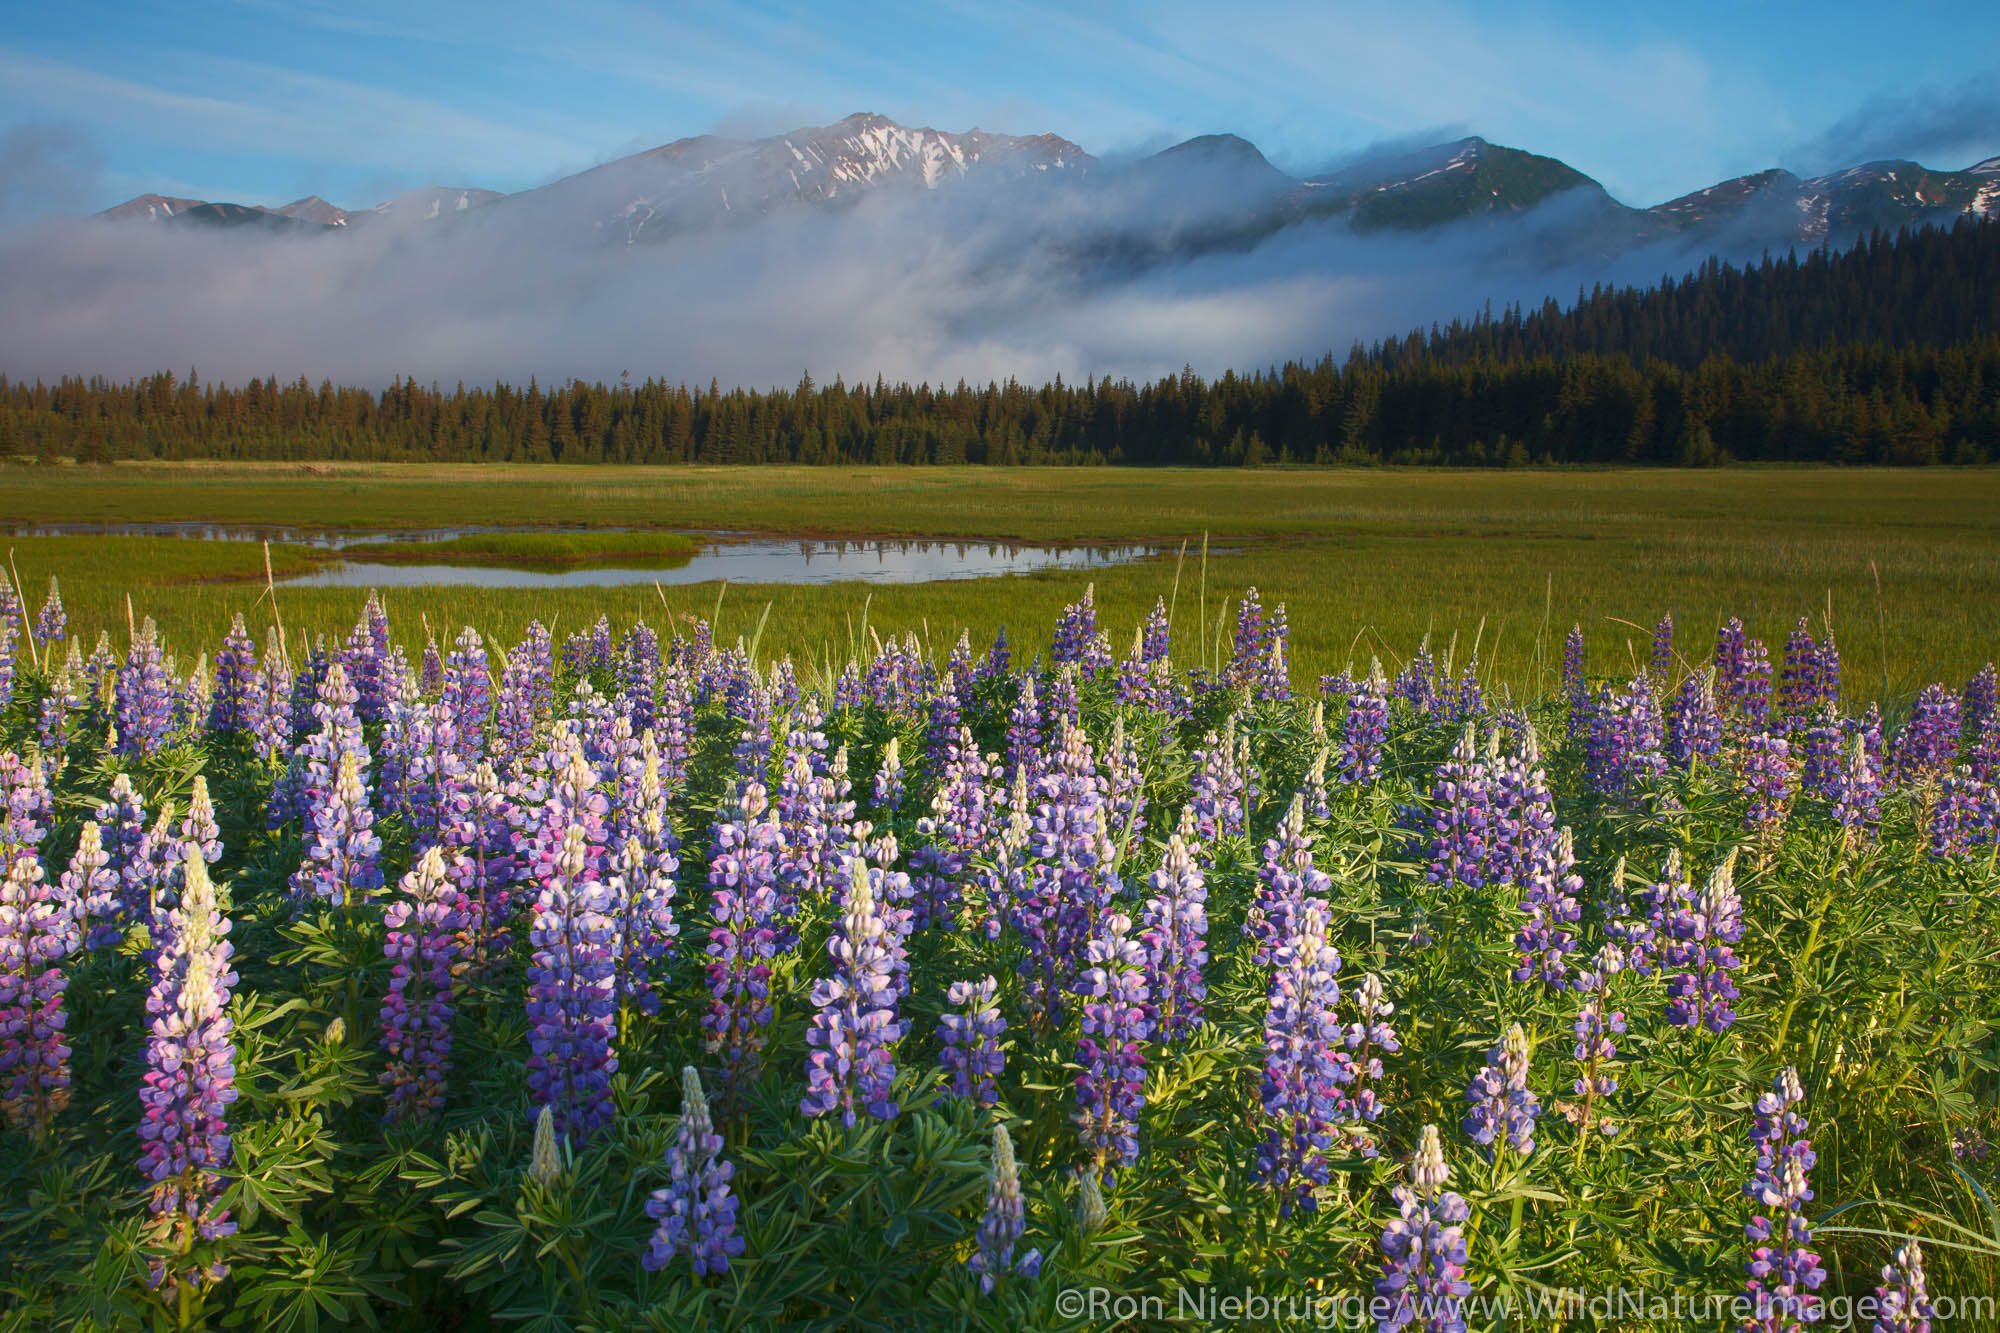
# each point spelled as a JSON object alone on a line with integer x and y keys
{"x": 1940, "y": 127}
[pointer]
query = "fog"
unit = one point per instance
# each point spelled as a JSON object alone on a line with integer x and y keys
{"x": 1129, "y": 275}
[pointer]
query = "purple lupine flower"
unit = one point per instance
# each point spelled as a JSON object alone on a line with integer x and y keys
{"x": 742, "y": 873}
{"x": 1927, "y": 746}
{"x": 1024, "y": 732}
{"x": 1174, "y": 932}
{"x": 1798, "y": 677}
{"x": 1661, "y": 665}
{"x": 1963, "y": 815}
{"x": 1784, "y": 1274}
{"x": 90, "y": 885}
{"x": 234, "y": 703}
{"x": 145, "y": 696}
{"x": 1004, "y": 885}
{"x": 696, "y": 1211}
{"x": 1903, "y": 1301}
{"x": 1071, "y": 880}
{"x": 188, "y": 1085}
{"x": 1523, "y": 811}
{"x": 642, "y": 892}
{"x": 1856, "y": 803}
{"x": 10, "y": 600}
{"x": 1622, "y": 743}
{"x": 343, "y": 863}
{"x": 958, "y": 825}
{"x": 1698, "y": 937}
{"x": 889, "y": 785}
{"x": 1117, "y": 1017}
{"x": 307, "y": 780}
{"x": 1248, "y": 650}
{"x": 268, "y": 714}
{"x": 1818, "y": 746}
{"x": 969, "y": 1033}
{"x": 8, "y": 632}
{"x": 423, "y": 928}
{"x": 52, "y": 621}
{"x": 1632, "y": 922}
{"x": 854, "y": 1025}
{"x": 1303, "y": 1064}
{"x": 27, "y": 811}
{"x": 1366, "y": 1038}
{"x": 1001, "y": 1229}
{"x": 1742, "y": 674}
{"x": 1573, "y": 687}
{"x": 944, "y": 713}
{"x": 363, "y": 656}
{"x": 1365, "y": 731}
{"x": 1461, "y": 819}
{"x": 1423, "y": 1274}
{"x": 1979, "y": 705}
{"x": 1694, "y": 723}
{"x": 1767, "y": 783}
{"x": 1153, "y": 642}
{"x": 58, "y": 706}
{"x": 572, "y": 994}
{"x": 1124, "y": 788}
{"x": 41, "y": 925}
{"x": 1503, "y": 1109}
{"x": 1077, "y": 639}
{"x": 466, "y": 690}
{"x": 1547, "y": 938}
{"x": 1313, "y": 790}
{"x": 999, "y": 658}
{"x": 1417, "y": 684}
{"x": 1288, "y": 886}
{"x": 430, "y": 673}
{"x": 1594, "y": 1051}
{"x": 122, "y": 821}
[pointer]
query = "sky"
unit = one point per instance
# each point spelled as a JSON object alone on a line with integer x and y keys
{"x": 260, "y": 101}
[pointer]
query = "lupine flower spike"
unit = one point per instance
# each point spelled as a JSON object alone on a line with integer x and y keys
{"x": 697, "y": 1210}
{"x": 1423, "y": 1276}
{"x": 1006, "y": 1220}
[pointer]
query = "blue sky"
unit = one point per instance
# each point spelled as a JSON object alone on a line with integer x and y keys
{"x": 261, "y": 101}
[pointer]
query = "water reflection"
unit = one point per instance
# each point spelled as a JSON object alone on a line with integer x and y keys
{"x": 752, "y": 562}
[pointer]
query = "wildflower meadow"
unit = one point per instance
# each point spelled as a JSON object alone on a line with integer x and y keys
{"x": 628, "y": 980}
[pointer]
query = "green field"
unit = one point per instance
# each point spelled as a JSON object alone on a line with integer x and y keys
{"x": 1907, "y": 562}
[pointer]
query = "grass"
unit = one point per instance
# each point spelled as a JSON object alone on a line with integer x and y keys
{"x": 1905, "y": 562}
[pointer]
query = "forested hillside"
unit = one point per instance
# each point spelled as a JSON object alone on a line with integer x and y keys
{"x": 1886, "y": 353}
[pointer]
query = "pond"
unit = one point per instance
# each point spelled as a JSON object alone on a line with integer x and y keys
{"x": 719, "y": 556}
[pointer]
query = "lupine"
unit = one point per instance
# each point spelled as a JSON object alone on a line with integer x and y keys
{"x": 1503, "y": 1109}
{"x": 1547, "y": 938}
{"x": 1662, "y": 662}
{"x": 1767, "y": 783}
{"x": 52, "y": 620}
{"x": 1365, "y": 731}
{"x": 1573, "y": 687}
{"x": 8, "y": 633}
{"x": 1594, "y": 1051}
{"x": 1024, "y": 732}
{"x": 234, "y": 703}
{"x": 1694, "y": 722}
{"x": 1856, "y": 805}
{"x": 1622, "y": 741}
{"x": 1273, "y": 667}
{"x": 1798, "y": 677}
{"x": 1965, "y": 814}
{"x": 27, "y": 810}
{"x": 572, "y": 994}
{"x": 696, "y": 1211}
{"x": 889, "y": 784}
{"x": 1289, "y": 886}
{"x": 1523, "y": 812}
{"x": 642, "y": 892}
{"x": 40, "y": 927}
{"x": 958, "y": 826}
{"x": 1783, "y": 1274}
{"x": 145, "y": 698}
{"x": 59, "y": 705}
{"x": 1699, "y": 936}
{"x": 1071, "y": 880}
{"x": 1303, "y": 1064}
{"x": 1124, "y": 788}
{"x": 189, "y": 1082}
{"x": 90, "y": 886}
{"x": 1174, "y": 932}
{"x": 1742, "y": 674}
{"x": 1005, "y": 1221}
{"x": 1117, "y": 1017}
{"x": 1980, "y": 701}
{"x": 1461, "y": 817}
{"x": 423, "y": 928}
{"x": 1367, "y": 1038}
{"x": 742, "y": 873}
{"x": 1423, "y": 1275}
{"x": 969, "y": 1032}
{"x": 1903, "y": 1301}
{"x": 1927, "y": 746}
{"x": 854, "y": 1025}
{"x": 269, "y": 715}
{"x": 343, "y": 862}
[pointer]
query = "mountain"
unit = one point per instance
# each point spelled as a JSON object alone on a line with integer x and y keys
{"x": 1212, "y": 192}
{"x": 707, "y": 181}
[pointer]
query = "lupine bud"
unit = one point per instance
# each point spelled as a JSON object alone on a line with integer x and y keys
{"x": 1000, "y": 1231}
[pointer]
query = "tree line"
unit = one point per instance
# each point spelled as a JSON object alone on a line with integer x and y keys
{"x": 1885, "y": 353}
